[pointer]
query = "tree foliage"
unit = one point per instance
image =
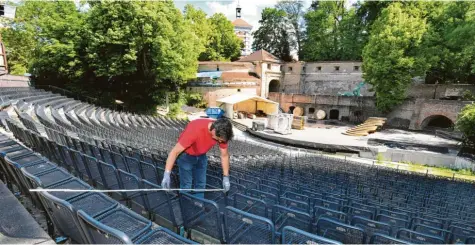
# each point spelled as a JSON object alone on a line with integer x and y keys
{"x": 392, "y": 58}
{"x": 223, "y": 44}
{"x": 295, "y": 12}
{"x": 134, "y": 51}
{"x": 466, "y": 124}
{"x": 333, "y": 32}
{"x": 272, "y": 35}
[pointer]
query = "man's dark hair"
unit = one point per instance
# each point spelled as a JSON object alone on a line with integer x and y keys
{"x": 224, "y": 129}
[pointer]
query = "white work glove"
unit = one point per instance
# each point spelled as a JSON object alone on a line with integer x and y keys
{"x": 226, "y": 184}
{"x": 166, "y": 180}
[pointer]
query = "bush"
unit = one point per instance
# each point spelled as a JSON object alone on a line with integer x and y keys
{"x": 466, "y": 124}
{"x": 195, "y": 100}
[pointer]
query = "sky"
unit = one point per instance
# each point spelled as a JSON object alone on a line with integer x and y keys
{"x": 251, "y": 9}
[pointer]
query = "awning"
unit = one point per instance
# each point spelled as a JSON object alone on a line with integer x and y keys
{"x": 236, "y": 98}
{"x": 248, "y": 103}
{"x": 210, "y": 74}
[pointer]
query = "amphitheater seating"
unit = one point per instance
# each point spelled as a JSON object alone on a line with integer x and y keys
{"x": 275, "y": 198}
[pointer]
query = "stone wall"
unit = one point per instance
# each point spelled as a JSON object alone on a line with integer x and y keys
{"x": 412, "y": 114}
{"x": 211, "y": 94}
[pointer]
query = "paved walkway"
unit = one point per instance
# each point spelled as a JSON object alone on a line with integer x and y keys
{"x": 17, "y": 226}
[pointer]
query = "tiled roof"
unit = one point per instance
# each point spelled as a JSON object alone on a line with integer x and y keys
{"x": 240, "y": 23}
{"x": 260, "y": 55}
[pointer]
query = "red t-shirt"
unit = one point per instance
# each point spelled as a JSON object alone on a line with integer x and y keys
{"x": 196, "y": 138}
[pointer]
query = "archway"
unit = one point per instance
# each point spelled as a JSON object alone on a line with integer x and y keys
{"x": 437, "y": 122}
{"x": 274, "y": 86}
{"x": 334, "y": 114}
{"x": 291, "y": 109}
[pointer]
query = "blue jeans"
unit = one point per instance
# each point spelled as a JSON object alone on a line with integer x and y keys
{"x": 192, "y": 171}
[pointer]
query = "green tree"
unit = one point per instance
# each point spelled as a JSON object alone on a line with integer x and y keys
{"x": 199, "y": 26}
{"x": 466, "y": 124}
{"x": 392, "y": 58}
{"x": 272, "y": 35}
{"x": 452, "y": 24}
{"x": 295, "y": 12}
{"x": 333, "y": 32}
{"x": 223, "y": 44}
{"x": 140, "y": 49}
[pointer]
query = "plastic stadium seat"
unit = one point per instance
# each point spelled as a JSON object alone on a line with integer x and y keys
{"x": 163, "y": 236}
{"x": 354, "y": 211}
{"x": 245, "y": 228}
{"x": 118, "y": 226}
{"x": 395, "y": 222}
{"x": 377, "y": 238}
{"x": 94, "y": 174}
{"x": 320, "y": 212}
{"x": 284, "y": 216}
{"x": 119, "y": 161}
{"x": 73, "y": 184}
{"x": 47, "y": 178}
{"x": 323, "y": 202}
{"x": 418, "y": 238}
{"x": 133, "y": 199}
{"x": 435, "y": 231}
{"x": 294, "y": 204}
{"x": 64, "y": 215}
{"x": 149, "y": 172}
{"x": 459, "y": 234}
{"x": 203, "y": 216}
{"x": 371, "y": 227}
{"x": 292, "y": 235}
{"x": 340, "y": 232}
{"x": 133, "y": 166}
{"x": 163, "y": 206}
{"x": 251, "y": 205}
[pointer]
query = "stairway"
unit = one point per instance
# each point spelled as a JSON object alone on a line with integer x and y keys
{"x": 368, "y": 127}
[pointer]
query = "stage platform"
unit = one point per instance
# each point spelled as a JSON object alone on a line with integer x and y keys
{"x": 392, "y": 144}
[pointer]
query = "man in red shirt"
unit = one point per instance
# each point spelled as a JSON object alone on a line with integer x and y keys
{"x": 195, "y": 141}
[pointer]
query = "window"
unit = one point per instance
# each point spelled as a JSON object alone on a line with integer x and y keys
{"x": 311, "y": 110}
{"x": 239, "y": 90}
{"x": 319, "y": 68}
{"x": 269, "y": 66}
{"x": 290, "y": 68}
{"x": 217, "y": 68}
{"x": 337, "y": 68}
{"x": 356, "y": 68}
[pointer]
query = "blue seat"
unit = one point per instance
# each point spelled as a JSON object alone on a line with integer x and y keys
{"x": 149, "y": 172}
{"x": 338, "y": 231}
{"x": 118, "y": 225}
{"x": 284, "y": 216}
{"x": 119, "y": 161}
{"x": 377, "y": 238}
{"x": 292, "y": 235}
{"x": 251, "y": 205}
{"x": 294, "y": 204}
{"x": 133, "y": 166}
{"x": 79, "y": 164}
{"x": 203, "y": 216}
{"x": 371, "y": 227}
{"x": 246, "y": 228}
{"x": 269, "y": 198}
{"x": 354, "y": 211}
{"x": 297, "y": 197}
{"x": 395, "y": 222}
{"x": 47, "y": 178}
{"x": 133, "y": 199}
{"x": 323, "y": 202}
{"x": 64, "y": 212}
{"x": 434, "y": 231}
{"x": 270, "y": 189}
{"x": 459, "y": 234}
{"x": 415, "y": 237}
{"x": 72, "y": 184}
{"x": 109, "y": 176}
{"x": 470, "y": 240}
{"x": 164, "y": 207}
{"x": 320, "y": 212}
{"x": 106, "y": 156}
{"x": 163, "y": 236}
{"x": 94, "y": 174}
